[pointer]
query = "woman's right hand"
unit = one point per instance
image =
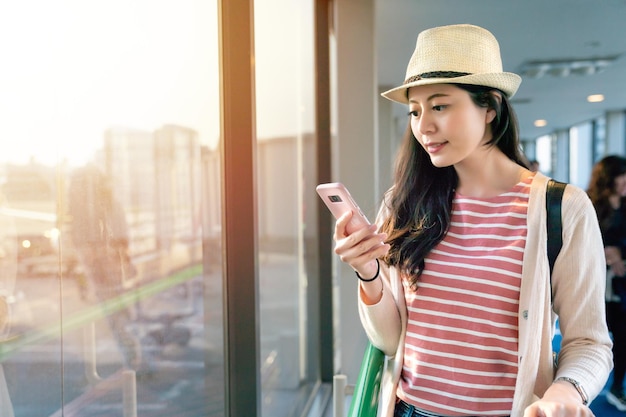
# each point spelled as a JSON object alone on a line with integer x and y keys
{"x": 361, "y": 248}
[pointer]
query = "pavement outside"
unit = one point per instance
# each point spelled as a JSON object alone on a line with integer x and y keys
{"x": 187, "y": 378}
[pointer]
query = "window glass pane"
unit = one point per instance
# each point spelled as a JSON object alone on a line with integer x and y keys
{"x": 544, "y": 149}
{"x": 109, "y": 170}
{"x": 581, "y": 162}
{"x": 285, "y": 155}
{"x": 599, "y": 138}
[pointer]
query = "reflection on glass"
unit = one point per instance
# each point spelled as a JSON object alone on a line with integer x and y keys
{"x": 286, "y": 197}
{"x": 107, "y": 164}
{"x": 100, "y": 240}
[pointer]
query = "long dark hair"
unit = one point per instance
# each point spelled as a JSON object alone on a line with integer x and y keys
{"x": 419, "y": 205}
{"x": 602, "y": 183}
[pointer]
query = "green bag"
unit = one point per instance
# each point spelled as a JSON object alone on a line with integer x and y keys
{"x": 364, "y": 402}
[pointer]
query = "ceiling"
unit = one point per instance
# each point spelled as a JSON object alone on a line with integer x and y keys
{"x": 528, "y": 30}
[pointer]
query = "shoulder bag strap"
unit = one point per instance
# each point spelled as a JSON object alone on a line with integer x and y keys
{"x": 554, "y": 195}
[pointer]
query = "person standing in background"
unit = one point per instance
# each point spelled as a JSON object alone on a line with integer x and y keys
{"x": 607, "y": 191}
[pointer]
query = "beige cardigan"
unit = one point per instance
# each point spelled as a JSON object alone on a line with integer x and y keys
{"x": 578, "y": 283}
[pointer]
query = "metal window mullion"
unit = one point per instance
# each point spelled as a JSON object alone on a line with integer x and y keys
{"x": 239, "y": 226}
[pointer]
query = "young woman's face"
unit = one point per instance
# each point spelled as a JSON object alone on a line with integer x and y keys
{"x": 447, "y": 123}
{"x": 620, "y": 185}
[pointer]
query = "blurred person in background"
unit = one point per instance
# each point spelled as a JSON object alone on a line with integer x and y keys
{"x": 99, "y": 233}
{"x": 607, "y": 190}
{"x": 534, "y": 165}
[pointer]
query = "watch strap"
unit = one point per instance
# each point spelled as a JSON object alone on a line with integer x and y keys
{"x": 579, "y": 388}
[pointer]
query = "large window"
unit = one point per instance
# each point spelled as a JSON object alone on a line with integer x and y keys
{"x": 110, "y": 210}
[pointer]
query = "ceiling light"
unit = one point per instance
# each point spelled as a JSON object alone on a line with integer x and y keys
{"x": 595, "y": 98}
{"x": 540, "y": 123}
{"x": 565, "y": 67}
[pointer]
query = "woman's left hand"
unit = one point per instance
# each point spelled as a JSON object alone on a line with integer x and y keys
{"x": 560, "y": 400}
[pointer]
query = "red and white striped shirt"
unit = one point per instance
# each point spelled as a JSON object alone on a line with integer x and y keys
{"x": 461, "y": 345}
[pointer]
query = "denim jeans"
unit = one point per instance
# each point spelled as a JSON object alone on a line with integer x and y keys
{"x": 403, "y": 409}
{"x": 406, "y": 410}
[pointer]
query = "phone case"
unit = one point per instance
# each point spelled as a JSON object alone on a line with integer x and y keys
{"x": 339, "y": 201}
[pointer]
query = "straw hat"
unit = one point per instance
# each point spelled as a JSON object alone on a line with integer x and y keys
{"x": 462, "y": 54}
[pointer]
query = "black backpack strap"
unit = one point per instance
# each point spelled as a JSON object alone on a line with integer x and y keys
{"x": 554, "y": 195}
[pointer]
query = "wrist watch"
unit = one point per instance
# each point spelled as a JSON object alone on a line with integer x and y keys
{"x": 578, "y": 387}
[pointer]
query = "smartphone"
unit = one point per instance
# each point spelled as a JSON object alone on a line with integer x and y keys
{"x": 339, "y": 201}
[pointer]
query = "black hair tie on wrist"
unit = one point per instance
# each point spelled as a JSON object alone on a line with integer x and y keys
{"x": 370, "y": 279}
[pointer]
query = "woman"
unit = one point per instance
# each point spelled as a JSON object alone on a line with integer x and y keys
{"x": 454, "y": 277}
{"x": 607, "y": 191}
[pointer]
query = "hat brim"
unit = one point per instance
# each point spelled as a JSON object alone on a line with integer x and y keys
{"x": 507, "y": 82}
